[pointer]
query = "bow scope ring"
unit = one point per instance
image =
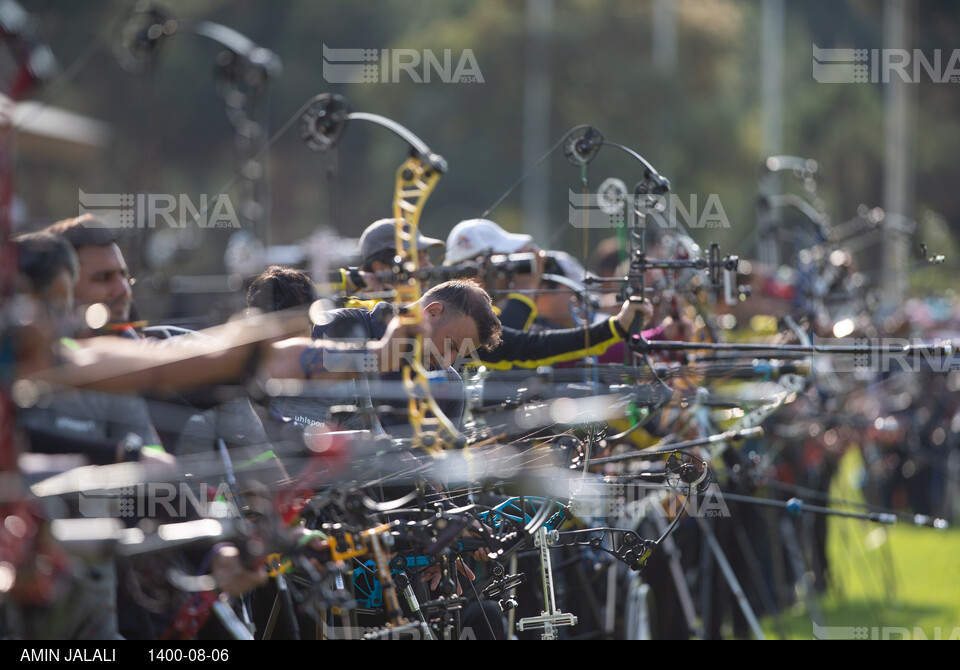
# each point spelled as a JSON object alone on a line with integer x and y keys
{"x": 325, "y": 121}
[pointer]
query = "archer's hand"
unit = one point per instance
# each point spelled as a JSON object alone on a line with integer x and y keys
{"x": 678, "y": 329}
{"x": 434, "y": 575}
{"x": 230, "y": 574}
{"x": 531, "y": 282}
{"x": 634, "y": 308}
{"x": 373, "y": 284}
{"x": 481, "y": 530}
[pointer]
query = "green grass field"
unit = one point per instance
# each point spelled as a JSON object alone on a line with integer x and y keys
{"x": 887, "y": 582}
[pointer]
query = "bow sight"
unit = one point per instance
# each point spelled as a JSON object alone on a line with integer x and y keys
{"x": 581, "y": 146}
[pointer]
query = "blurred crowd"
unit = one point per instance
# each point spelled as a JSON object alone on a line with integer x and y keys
{"x": 301, "y": 413}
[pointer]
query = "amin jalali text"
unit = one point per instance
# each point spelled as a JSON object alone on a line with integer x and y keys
{"x": 69, "y": 655}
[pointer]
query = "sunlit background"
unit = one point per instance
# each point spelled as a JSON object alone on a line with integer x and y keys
{"x": 704, "y": 90}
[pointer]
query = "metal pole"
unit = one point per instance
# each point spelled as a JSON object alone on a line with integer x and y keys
{"x": 771, "y": 128}
{"x": 730, "y": 577}
{"x": 536, "y": 119}
{"x": 676, "y": 571}
{"x": 804, "y": 577}
{"x": 898, "y": 144}
{"x": 771, "y": 77}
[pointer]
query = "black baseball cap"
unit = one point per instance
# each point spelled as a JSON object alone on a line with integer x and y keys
{"x": 381, "y": 235}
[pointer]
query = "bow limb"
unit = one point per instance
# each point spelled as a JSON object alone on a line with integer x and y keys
{"x": 416, "y": 179}
{"x": 323, "y": 124}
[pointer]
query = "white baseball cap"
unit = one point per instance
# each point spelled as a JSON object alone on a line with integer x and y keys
{"x": 474, "y": 237}
{"x": 566, "y": 265}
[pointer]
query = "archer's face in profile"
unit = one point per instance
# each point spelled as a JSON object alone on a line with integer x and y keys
{"x": 424, "y": 264}
{"x": 452, "y": 336}
{"x": 555, "y": 303}
{"x": 104, "y": 278}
